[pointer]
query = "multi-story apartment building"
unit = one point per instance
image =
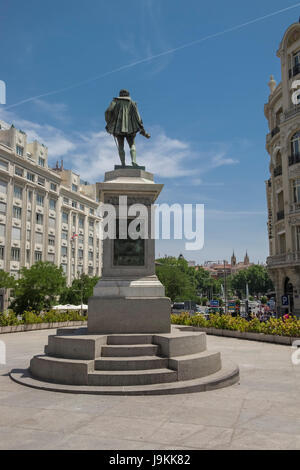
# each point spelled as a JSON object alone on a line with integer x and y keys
{"x": 45, "y": 214}
{"x": 283, "y": 187}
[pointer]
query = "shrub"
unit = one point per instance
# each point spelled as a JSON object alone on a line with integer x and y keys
{"x": 274, "y": 326}
{"x": 9, "y": 318}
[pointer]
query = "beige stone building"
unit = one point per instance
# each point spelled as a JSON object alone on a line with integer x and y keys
{"x": 45, "y": 214}
{"x": 283, "y": 187}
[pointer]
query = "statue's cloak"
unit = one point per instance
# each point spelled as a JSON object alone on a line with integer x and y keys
{"x": 122, "y": 117}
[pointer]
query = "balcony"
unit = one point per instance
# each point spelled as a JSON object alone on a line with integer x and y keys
{"x": 295, "y": 207}
{"x": 274, "y": 131}
{"x": 292, "y": 112}
{"x": 284, "y": 259}
{"x": 278, "y": 171}
{"x": 293, "y": 159}
{"x": 280, "y": 215}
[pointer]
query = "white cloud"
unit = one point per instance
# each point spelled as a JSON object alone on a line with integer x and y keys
{"x": 92, "y": 153}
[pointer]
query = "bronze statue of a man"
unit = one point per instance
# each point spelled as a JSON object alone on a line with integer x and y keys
{"x": 123, "y": 121}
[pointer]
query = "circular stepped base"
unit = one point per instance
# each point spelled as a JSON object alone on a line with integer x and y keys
{"x": 228, "y": 375}
{"x": 127, "y": 364}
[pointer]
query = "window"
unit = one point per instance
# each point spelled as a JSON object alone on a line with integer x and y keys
{"x": 28, "y": 235}
{"x": 39, "y": 218}
{"x": 16, "y": 233}
{"x": 30, "y": 176}
{"x": 81, "y": 207}
{"x": 65, "y": 217}
{"x": 53, "y": 186}
{"x": 74, "y": 204}
{"x": 1, "y": 252}
{"x": 90, "y": 270}
{"x": 15, "y": 273}
{"x": 74, "y": 220}
{"x": 52, "y": 204}
{"x": 80, "y": 238}
{"x": 51, "y": 240}
{"x": 91, "y": 241}
{"x": 3, "y": 187}
{"x": 81, "y": 222}
{"x": 41, "y": 181}
{"x": 296, "y": 58}
{"x": 64, "y": 268}
{"x": 92, "y": 211}
{"x": 2, "y": 230}
{"x": 19, "y": 171}
{"x": 51, "y": 222}
{"x": 3, "y": 165}
{"x": 295, "y": 144}
{"x": 79, "y": 270}
{"x": 74, "y": 188}
{"x": 41, "y": 161}
{"x": 91, "y": 256}
{"x": 15, "y": 254}
{"x": 91, "y": 223}
{"x": 50, "y": 257}
{"x": 65, "y": 200}
{"x": 37, "y": 256}
{"x": 17, "y": 212}
{"x": 64, "y": 235}
{"x": 80, "y": 254}
{"x": 38, "y": 238}
{"x": 19, "y": 150}
{"x": 64, "y": 251}
{"x": 296, "y": 190}
{"x": 17, "y": 192}
{"x": 2, "y": 208}
{"x": 27, "y": 256}
{"x": 28, "y": 216}
{"x": 29, "y": 196}
{"x": 39, "y": 199}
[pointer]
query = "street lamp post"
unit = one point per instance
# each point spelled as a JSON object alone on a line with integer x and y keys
{"x": 225, "y": 287}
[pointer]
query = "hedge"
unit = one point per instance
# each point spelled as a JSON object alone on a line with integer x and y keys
{"x": 9, "y": 318}
{"x": 273, "y": 326}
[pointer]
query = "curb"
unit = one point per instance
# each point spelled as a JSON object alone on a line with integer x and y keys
{"x": 39, "y": 326}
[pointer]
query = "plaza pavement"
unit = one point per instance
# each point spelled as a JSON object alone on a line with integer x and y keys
{"x": 262, "y": 412}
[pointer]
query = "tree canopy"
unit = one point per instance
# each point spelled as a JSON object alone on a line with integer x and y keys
{"x": 38, "y": 287}
{"x": 82, "y": 286}
{"x": 257, "y": 278}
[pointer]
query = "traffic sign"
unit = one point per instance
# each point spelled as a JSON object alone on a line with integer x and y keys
{"x": 214, "y": 303}
{"x": 284, "y": 300}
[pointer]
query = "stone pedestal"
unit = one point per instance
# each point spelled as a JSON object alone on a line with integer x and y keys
{"x": 129, "y": 298}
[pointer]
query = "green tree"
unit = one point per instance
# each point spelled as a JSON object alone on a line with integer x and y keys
{"x": 178, "y": 278}
{"x": 257, "y": 278}
{"x": 6, "y": 280}
{"x": 38, "y": 287}
{"x": 84, "y": 286}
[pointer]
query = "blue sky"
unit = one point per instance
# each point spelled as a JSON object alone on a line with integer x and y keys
{"x": 63, "y": 61}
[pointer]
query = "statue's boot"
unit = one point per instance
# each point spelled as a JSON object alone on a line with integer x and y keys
{"x": 133, "y": 155}
{"x": 122, "y": 156}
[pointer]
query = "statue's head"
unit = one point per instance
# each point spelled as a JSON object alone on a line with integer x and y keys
{"x": 124, "y": 93}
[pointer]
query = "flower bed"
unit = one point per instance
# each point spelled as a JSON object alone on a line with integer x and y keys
{"x": 274, "y": 326}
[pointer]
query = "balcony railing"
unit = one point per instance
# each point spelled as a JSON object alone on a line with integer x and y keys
{"x": 280, "y": 215}
{"x": 294, "y": 159}
{"x": 292, "y": 112}
{"x": 275, "y": 131}
{"x": 287, "y": 258}
{"x": 278, "y": 171}
{"x": 295, "y": 207}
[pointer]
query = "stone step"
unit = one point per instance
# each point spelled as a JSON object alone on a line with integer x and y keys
{"x": 129, "y": 350}
{"x": 131, "y": 363}
{"x": 197, "y": 365}
{"x": 129, "y": 339}
{"x": 134, "y": 377}
{"x": 228, "y": 375}
{"x": 60, "y": 370}
{"x": 76, "y": 346}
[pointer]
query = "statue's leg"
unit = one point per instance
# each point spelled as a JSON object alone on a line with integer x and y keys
{"x": 120, "y": 140}
{"x": 131, "y": 143}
